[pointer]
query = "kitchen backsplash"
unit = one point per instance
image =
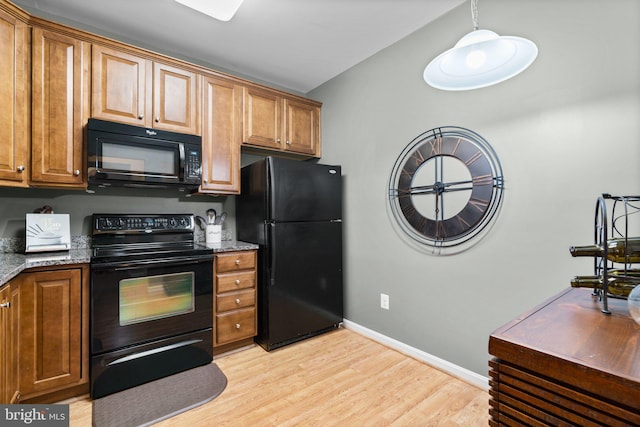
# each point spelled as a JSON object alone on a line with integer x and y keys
{"x": 17, "y": 244}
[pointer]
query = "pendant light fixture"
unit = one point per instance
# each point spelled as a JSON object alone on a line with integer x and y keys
{"x": 479, "y": 59}
{"x": 222, "y": 10}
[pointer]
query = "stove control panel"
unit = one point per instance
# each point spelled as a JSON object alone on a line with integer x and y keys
{"x": 141, "y": 223}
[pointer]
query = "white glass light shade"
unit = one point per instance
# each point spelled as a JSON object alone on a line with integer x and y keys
{"x": 481, "y": 58}
{"x": 222, "y": 10}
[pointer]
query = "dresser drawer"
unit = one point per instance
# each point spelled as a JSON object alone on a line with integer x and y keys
{"x": 235, "y": 261}
{"x": 235, "y": 325}
{"x": 235, "y": 300}
{"x": 235, "y": 281}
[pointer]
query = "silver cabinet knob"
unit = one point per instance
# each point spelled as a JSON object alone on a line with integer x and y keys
{"x": 237, "y": 262}
{"x": 237, "y": 281}
{"x": 5, "y": 304}
{"x": 141, "y": 116}
{"x": 288, "y": 142}
{"x": 20, "y": 168}
{"x": 157, "y": 119}
{"x": 76, "y": 172}
{"x": 237, "y": 325}
{"x": 278, "y": 140}
{"x": 237, "y": 300}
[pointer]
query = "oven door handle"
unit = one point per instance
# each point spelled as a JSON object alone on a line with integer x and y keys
{"x": 120, "y": 266}
{"x": 153, "y": 351}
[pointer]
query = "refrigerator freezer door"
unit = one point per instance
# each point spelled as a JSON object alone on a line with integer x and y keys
{"x": 303, "y": 191}
{"x": 305, "y": 284}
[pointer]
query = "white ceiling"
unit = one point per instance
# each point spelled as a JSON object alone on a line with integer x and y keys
{"x": 294, "y": 44}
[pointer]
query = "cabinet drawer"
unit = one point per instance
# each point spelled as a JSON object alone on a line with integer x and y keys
{"x": 235, "y": 261}
{"x": 235, "y": 281}
{"x": 235, "y": 325}
{"x": 235, "y": 300}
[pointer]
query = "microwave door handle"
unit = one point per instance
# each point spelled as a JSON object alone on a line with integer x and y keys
{"x": 183, "y": 160}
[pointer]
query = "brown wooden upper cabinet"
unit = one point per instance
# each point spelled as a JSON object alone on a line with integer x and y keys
{"x": 221, "y": 135}
{"x": 134, "y": 90}
{"x": 59, "y": 109}
{"x": 14, "y": 101}
{"x": 274, "y": 121}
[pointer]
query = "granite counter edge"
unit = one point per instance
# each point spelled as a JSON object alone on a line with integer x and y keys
{"x": 12, "y": 264}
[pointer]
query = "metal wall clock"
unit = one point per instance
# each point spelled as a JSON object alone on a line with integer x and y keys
{"x": 445, "y": 188}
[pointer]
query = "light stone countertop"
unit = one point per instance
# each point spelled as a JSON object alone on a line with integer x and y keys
{"x": 11, "y": 264}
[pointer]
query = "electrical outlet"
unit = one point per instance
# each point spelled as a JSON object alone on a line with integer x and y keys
{"x": 384, "y": 301}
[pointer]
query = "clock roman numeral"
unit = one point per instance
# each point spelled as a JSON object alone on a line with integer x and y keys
{"x": 417, "y": 159}
{"x": 409, "y": 211}
{"x": 441, "y": 232}
{"x": 479, "y": 204}
{"x": 436, "y": 146}
{"x": 455, "y": 147}
{"x": 406, "y": 173}
{"x": 462, "y": 223}
{"x": 414, "y": 218}
{"x": 401, "y": 192}
{"x": 483, "y": 180}
{"x": 473, "y": 158}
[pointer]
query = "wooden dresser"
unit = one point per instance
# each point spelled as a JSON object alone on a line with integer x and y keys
{"x": 566, "y": 363}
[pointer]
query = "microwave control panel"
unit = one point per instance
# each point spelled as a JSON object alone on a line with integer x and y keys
{"x": 192, "y": 166}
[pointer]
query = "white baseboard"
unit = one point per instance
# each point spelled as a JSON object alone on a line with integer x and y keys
{"x": 441, "y": 364}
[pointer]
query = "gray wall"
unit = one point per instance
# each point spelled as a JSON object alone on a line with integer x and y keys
{"x": 566, "y": 130}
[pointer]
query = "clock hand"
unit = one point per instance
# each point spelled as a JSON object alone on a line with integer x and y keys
{"x": 438, "y": 187}
{"x": 428, "y": 190}
{"x": 437, "y": 207}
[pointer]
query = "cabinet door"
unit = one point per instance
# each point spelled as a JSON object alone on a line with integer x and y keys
{"x": 121, "y": 87}
{"x": 175, "y": 99}
{"x": 14, "y": 343}
{"x": 221, "y": 136}
{"x": 6, "y": 360}
{"x": 60, "y": 101}
{"x": 53, "y": 338}
{"x": 262, "y": 118}
{"x": 302, "y": 127}
{"x": 14, "y": 101}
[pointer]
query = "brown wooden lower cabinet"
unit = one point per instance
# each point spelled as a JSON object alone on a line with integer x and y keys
{"x": 566, "y": 363}
{"x": 9, "y": 321}
{"x": 235, "y": 318}
{"x": 49, "y": 335}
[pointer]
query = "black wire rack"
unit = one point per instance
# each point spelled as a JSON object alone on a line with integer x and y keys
{"x": 606, "y": 228}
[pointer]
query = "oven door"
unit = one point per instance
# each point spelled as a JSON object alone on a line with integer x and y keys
{"x": 147, "y": 300}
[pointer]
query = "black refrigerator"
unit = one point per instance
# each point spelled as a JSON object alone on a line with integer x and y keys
{"x": 293, "y": 211}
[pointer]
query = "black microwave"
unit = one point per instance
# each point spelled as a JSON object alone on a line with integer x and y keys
{"x": 134, "y": 156}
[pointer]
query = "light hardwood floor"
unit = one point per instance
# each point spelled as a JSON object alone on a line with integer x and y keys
{"x": 336, "y": 379}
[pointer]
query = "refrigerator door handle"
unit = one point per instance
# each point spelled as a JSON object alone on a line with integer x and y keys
{"x": 272, "y": 256}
